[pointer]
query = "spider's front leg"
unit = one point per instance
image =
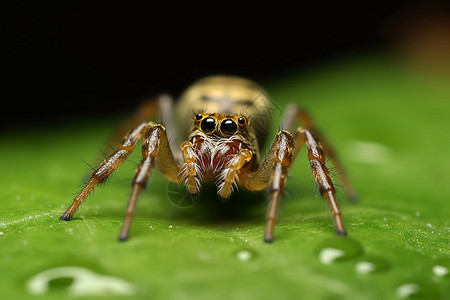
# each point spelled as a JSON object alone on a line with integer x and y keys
{"x": 154, "y": 146}
{"x": 272, "y": 172}
{"x": 108, "y": 166}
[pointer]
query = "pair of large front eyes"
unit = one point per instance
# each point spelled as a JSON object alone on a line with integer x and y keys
{"x": 227, "y": 126}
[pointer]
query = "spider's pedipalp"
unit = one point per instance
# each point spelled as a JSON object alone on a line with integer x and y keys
{"x": 229, "y": 176}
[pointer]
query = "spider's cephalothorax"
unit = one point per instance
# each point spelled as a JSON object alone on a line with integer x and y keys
{"x": 216, "y": 139}
{"x": 221, "y": 143}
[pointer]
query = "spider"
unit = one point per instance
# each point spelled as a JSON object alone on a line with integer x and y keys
{"x": 222, "y": 142}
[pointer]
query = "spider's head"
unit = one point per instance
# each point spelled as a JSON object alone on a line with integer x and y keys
{"x": 221, "y": 125}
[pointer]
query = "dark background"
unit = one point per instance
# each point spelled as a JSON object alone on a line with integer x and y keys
{"x": 64, "y": 60}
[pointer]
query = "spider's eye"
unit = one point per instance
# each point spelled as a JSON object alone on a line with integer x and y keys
{"x": 241, "y": 121}
{"x": 198, "y": 117}
{"x": 228, "y": 127}
{"x": 208, "y": 124}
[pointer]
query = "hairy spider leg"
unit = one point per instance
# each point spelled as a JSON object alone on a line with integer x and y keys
{"x": 108, "y": 166}
{"x": 320, "y": 173}
{"x": 273, "y": 173}
{"x": 154, "y": 146}
{"x": 282, "y": 160}
{"x": 293, "y": 113}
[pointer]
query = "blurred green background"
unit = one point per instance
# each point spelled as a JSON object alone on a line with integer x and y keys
{"x": 389, "y": 124}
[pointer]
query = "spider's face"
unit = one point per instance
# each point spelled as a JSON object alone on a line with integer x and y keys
{"x": 221, "y": 125}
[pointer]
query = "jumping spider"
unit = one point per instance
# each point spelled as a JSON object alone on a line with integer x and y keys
{"x": 222, "y": 144}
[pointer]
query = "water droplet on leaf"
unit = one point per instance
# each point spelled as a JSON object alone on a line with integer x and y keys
{"x": 371, "y": 264}
{"x": 79, "y": 282}
{"x": 245, "y": 254}
{"x": 337, "y": 249}
{"x": 441, "y": 267}
{"x": 418, "y": 288}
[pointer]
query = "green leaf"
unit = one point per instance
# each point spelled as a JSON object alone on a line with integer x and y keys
{"x": 390, "y": 127}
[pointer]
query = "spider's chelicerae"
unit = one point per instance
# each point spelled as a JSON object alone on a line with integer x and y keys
{"x": 222, "y": 143}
